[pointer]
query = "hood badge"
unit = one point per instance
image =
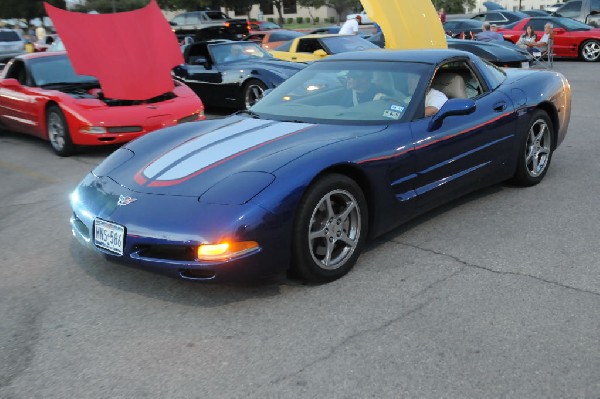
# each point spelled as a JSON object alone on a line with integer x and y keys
{"x": 125, "y": 200}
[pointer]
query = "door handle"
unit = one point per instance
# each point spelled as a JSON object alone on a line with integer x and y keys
{"x": 500, "y": 106}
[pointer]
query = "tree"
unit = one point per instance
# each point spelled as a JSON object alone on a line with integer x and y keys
{"x": 311, "y": 4}
{"x": 340, "y": 6}
{"x": 26, "y": 9}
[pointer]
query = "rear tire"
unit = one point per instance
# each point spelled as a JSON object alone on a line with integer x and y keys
{"x": 58, "y": 132}
{"x": 330, "y": 229}
{"x": 535, "y": 151}
{"x": 590, "y": 51}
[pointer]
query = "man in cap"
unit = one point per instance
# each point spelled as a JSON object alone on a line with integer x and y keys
{"x": 350, "y": 27}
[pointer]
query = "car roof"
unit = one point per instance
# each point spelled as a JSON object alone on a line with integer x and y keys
{"x": 33, "y": 56}
{"x": 428, "y": 56}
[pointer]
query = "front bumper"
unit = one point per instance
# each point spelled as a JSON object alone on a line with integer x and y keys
{"x": 163, "y": 232}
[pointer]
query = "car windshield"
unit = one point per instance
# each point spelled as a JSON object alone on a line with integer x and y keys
{"x": 58, "y": 69}
{"x": 236, "y": 51}
{"x": 357, "y": 91}
{"x": 9, "y": 36}
{"x": 343, "y": 43}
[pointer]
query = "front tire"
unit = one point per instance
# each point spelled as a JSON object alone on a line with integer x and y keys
{"x": 58, "y": 132}
{"x": 590, "y": 51}
{"x": 252, "y": 91}
{"x": 330, "y": 229}
{"x": 535, "y": 151}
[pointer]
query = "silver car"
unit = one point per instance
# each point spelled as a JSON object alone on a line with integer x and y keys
{"x": 12, "y": 43}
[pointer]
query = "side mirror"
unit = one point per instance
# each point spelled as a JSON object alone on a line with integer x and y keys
{"x": 320, "y": 53}
{"x": 452, "y": 107}
{"x": 10, "y": 83}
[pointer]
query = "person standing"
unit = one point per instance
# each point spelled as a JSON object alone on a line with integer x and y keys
{"x": 40, "y": 34}
{"x": 442, "y": 15}
{"x": 350, "y": 27}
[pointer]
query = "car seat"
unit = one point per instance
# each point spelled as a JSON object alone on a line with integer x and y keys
{"x": 451, "y": 84}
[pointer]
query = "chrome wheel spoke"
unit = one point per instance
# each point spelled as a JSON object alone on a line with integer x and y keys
{"x": 334, "y": 229}
{"x": 316, "y": 234}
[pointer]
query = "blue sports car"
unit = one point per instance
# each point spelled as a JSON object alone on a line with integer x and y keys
{"x": 339, "y": 153}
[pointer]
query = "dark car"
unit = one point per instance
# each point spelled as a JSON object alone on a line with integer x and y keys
{"x": 536, "y": 13}
{"x": 206, "y": 25}
{"x": 500, "y": 17}
{"x": 305, "y": 178}
{"x": 225, "y": 80}
{"x": 462, "y": 28}
{"x": 504, "y": 54}
{"x": 336, "y": 29}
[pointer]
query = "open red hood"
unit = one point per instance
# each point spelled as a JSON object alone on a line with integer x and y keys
{"x": 130, "y": 53}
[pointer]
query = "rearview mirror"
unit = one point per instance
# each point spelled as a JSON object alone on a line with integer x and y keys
{"x": 452, "y": 107}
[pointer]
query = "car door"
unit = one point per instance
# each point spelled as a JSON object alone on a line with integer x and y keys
{"x": 19, "y": 101}
{"x": 202, "y": 73}
{"x": 465, "y": 150}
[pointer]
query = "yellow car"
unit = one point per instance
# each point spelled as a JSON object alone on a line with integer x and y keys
{"x": 314, "y": 47}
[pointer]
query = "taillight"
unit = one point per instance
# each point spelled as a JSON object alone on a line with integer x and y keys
{"x": 227, "y": 24}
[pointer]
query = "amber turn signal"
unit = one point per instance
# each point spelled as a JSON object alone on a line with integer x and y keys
{"x": 225, "y": 250}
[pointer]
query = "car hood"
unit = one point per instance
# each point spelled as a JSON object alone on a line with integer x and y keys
{"x": 272, "y": 64}
{"x": 494, "y": 52}
{"x": 189, "y": 159}
{"x": 120, "y": 49}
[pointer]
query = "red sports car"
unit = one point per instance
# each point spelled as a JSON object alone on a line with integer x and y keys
{"x": 572, "y": 38}
{"x": 41, "y": 95}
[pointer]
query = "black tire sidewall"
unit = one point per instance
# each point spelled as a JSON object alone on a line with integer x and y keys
{"x": 68, "y": 147}
{"x": 302, "y": 262}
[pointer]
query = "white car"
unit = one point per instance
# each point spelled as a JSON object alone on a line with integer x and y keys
{"x": 364, "y": 18}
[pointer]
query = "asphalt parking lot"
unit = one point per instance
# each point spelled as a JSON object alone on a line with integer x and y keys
{"x": 494, "y": 295}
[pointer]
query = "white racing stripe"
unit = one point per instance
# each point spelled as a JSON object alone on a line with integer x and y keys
{"x": 199, "y": 143}
{"x": 180, "y": 164}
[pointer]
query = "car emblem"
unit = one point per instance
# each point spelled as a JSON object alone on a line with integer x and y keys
{"x": 125, "y": 200}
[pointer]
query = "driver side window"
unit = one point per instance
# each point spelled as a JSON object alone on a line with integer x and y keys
{"x": 18, "y": 71}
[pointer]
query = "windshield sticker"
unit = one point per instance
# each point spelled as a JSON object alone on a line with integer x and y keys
{"x": 392, "y": 114}
{"x": 398, "y": 108}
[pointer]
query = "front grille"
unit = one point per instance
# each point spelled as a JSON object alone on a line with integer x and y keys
{"x": 124, "y": 129}
{"x": 167, "y": 252}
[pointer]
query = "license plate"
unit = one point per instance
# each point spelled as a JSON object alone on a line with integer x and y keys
{"x": 525, "y": 65}
{"x": 109, "y": 236}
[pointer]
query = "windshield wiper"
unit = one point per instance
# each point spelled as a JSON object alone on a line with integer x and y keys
{"x": 252, "y": 114}
{"x": 68, "y": 84}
